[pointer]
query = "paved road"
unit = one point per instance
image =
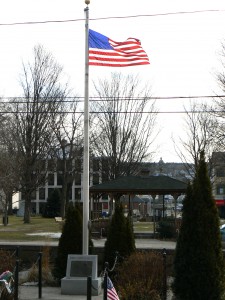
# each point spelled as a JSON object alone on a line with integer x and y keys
{"x": 140, "y": 243}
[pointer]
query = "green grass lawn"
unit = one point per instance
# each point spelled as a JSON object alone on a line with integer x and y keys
{"x": 16, "y": 230}
{"x": 143, "y": 226}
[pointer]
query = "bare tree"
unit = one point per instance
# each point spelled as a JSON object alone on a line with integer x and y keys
{"x": 9, "y": 177}
{"x": 122, "y": 124}
{"x": 220, "y": 101}
{"x": 9, "y": 181}
{"x": 68, "y": 134}
{"x": 221, "y": 74}
{"x": 200, "y": 134}
{"x": 31, "y": 135}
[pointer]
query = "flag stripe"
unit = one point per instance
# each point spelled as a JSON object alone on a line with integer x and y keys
{"x": 116, "y": 53}
{"x": 112, "y": 295}
{"x": 117, "y": 64}
{"x": 118, "y": 59}
{"x": 93, "y": 54}
{"x": 111, "y": 292}
{"x": 107, "y": 52}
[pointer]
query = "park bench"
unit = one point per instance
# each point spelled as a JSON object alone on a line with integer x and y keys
{"x": 58, "y": 219}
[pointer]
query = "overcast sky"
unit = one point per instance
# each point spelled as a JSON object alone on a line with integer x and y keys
{"x": 183, "y": 48}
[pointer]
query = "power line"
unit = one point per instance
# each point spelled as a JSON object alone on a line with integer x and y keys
{"x": 161, "y": 14}
{"x": 12, "y": 100}
{"x": 114, "y": 17}
{"x": 113, "y": 112}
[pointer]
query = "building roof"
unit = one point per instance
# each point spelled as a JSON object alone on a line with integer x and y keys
{"x": 157, "y": 185}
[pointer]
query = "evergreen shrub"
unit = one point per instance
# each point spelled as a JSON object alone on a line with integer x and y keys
{"x": 199, "y": 268}
{"x": 52, "y": 206}
{"x": 166, "y": 228}
{"x": 70, "y": 241}
{"x": 120, "y": 236}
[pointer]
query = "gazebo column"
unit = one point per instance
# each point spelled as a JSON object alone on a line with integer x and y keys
{"x": 153, "y": 210}
{"x": 175, "y": 196}
{"x": 163, "y": 210}
{"x": 110, "y": 204}
{"x": 131, "y": 206}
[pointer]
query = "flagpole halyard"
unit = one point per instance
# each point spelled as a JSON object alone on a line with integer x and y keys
{"x": 86, "y": 140}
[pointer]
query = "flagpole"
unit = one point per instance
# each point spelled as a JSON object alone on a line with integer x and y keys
{"x": 86, "y": 140}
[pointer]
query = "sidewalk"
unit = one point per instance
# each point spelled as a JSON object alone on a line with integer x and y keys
{"x": 54, "y": 293}
{"x": 49, "y": 293}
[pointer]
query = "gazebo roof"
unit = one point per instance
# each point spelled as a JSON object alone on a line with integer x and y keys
{"x": 149, "y": 185}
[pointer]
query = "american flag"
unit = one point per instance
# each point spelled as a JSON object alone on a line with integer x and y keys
{"x": 111, "y": 292}
{"x": 105, "y": 52}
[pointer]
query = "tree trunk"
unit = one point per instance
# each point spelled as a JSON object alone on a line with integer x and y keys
{"x": 5, "y": 213}
{"x": 27, "y": 209}
{"x": 9, "y": 202}
{"x": 63, "y": 201}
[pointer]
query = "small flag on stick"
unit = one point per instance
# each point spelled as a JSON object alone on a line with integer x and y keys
{"x": 111, "y": 292}
{"x": 105, "y": 52}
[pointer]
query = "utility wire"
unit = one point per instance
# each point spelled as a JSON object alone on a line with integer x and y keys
{"x": 12, "y": 100}
{"x": 115, "y": 17}
{"x": 113, "y": 112}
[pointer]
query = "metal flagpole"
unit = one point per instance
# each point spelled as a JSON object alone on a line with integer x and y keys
{"x": 86, "y": 140}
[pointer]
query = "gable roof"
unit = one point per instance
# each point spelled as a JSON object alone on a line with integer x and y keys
{"x": 158, "y": 185}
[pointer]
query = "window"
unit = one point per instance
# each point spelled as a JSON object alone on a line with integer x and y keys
{"x": 69, "y": 165}
{"x": 41, "y": 194}
{"x": 33, "y": 195}
{"x": 95, "y": 165}
{"x": 78, "y": 179}
{"x": 105, "y": 177}
{"x": 59, "y": 179}
{"x": 60, "y": 165}
{"x": 220, "y": 189}
{"x": 95, "y": 178}
{"x": 69, "y": 192}
{"x": 51, "y": 165}
{"x": 78, "y": 194}
{"x": 220, "y": 172}
{"x": 50, "y": 179}
{"x": 78, "y": 165}
{"x": 50, "y": 191}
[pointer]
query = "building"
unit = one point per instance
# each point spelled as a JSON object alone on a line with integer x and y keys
{"x": 54, "y": 180}
{"x": 218, "y": 180}
{"x": 98, "y": 174}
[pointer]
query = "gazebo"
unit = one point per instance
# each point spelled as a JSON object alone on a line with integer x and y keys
{"x": 140, "y": 185}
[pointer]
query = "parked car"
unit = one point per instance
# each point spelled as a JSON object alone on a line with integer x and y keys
{"x": 222, "y": 231}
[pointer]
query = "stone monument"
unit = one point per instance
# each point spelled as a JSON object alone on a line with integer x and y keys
{"x": 79, "y": 268}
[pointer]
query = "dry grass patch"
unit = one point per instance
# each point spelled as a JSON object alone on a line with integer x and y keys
{"x": 33, "y": 273}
